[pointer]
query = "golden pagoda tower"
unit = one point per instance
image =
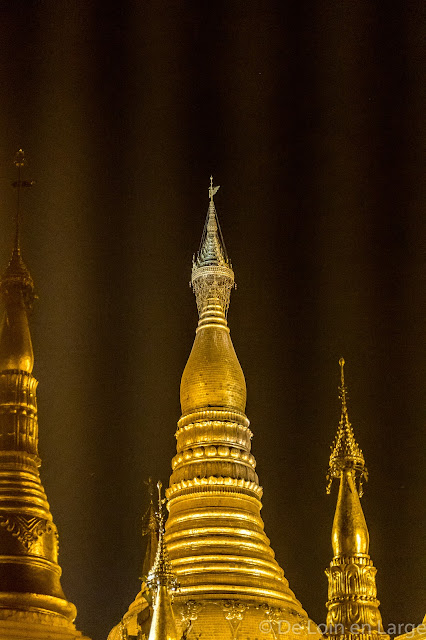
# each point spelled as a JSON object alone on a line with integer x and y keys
{"x": 231, "y": 586}
{"x": 162, "y": 581}
{"x": 32, "y": 603}
{"x": 353, "y": 608}
{"x": 136, "y": 621}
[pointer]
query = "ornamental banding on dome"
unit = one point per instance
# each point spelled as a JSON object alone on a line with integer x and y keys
{"x": 212, "y": 286}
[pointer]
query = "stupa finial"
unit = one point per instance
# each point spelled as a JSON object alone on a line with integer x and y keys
{"x": 342, "y": 385}
{"x": 212, "y": 190}
{"x": 212, "y": 274}
{"x": 345, "y": 451}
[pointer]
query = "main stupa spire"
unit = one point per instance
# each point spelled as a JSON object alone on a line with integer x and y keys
{"x": 229, "y": 579}
{"x": 32, "y": 603}
{"x": 353, "y": 608}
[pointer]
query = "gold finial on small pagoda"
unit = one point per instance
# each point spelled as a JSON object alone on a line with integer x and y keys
{"x": 342, "y": 384}
{"x": 150, "y": 529}
{"x": 345, "y": 451}
{"x": 161, "y": 573}
{"x": 162, "y": 581}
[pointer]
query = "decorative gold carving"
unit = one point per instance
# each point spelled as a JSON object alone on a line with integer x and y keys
{"x": 220, "y": 452}
{"x": 216, "y": 433}
{"x": 273, "y": 616}
{"x": 27, "y": 530}
{"x": 18, "y": 412}
{"x": 214, "y": 482}
{"x": 234, "y": 614}
{"x": 189, "y": 612}
{"x": 218, "y": 415}
{"x": 351, "y": 578}
{"x": 217, "y": 285}
{"x": 36, "y": 617}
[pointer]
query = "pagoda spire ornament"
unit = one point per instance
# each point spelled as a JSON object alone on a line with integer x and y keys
{"x": 162, "y": 581}
{"x": 345, "y": 452}
{"x": 150, "y": 531}
{"x": 32, "y": 603}
{"x": 353, "y": 608}
{"x": 212, "y": 275}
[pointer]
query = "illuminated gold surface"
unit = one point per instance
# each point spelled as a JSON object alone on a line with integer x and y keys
{"x": 353, "y": 608}
{"x": 163, "y": 626}
{"x": 31, "y": 596}
{"x": 215, "y": 535}
{"x": 349, "y": 534}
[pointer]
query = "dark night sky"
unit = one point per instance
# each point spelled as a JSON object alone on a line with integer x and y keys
{"x": 310, "y": 119}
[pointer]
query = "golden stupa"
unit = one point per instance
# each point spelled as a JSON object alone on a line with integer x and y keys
{"x": 353, "y": 608}
{"x": 32, "y": 603}
{"x": 230, "y": 584}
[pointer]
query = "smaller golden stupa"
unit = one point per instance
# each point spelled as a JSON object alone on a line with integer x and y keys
{"x": 32, "y": 603}
{"x": 162, "y": 582}
{"x": 353, "y": 608}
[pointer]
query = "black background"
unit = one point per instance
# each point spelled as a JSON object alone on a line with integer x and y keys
{"x": 309, "y": 116}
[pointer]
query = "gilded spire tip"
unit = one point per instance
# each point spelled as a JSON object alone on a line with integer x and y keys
{"x": 149, "y": 519}
{"x": 20, "y": 159}
{"x": 161, "y": 573}
{"x": 212, "y": 190}
{"x": 345, "y": 451}
{"x": 342, "y": 388}
{"x": 150, "y": 527}
{"x": 212, "y": 275}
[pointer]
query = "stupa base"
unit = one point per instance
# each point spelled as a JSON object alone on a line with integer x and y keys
{"x": 36, "y": 625}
